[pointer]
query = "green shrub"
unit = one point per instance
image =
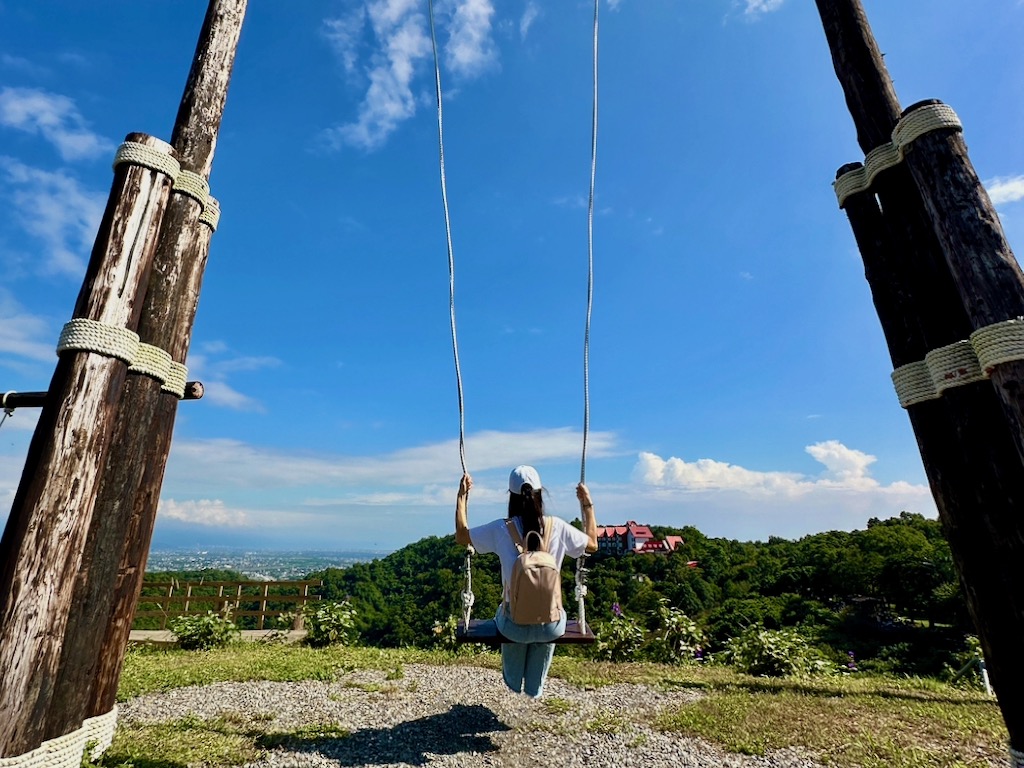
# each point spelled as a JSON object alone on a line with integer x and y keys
{"x": 774, "y": 653}
{"x": 203, "y": 632}
{"x": 619, "y": 639}
{"x": 677, "y": 638}
{"x": 330, "y": 623}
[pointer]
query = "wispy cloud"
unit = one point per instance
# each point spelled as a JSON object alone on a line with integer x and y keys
{"x": 23, "y": 335}
{"x": 756, "y": 8}
{"x": 54, "y": 208}
{"x": 18, "y": 64}
{"x": 205, "y": 512}
{"x": 1005, "y": 189}
{"x": 412, "y": 472}
{"x": 344, "y": 34}
{"x": 530, "y": 15}
{"x": 470, "y": 49}
{"x": 388, "y": 43}
{"x": 55, "y": 118}
{"x": 213, "y": 363}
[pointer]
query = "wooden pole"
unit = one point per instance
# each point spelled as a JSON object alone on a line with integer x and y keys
{"x": 987, "y": 275}
{"x": 968, "y": 449}
{"x": 53, "y": 508}
{"x": 118, "y": 545}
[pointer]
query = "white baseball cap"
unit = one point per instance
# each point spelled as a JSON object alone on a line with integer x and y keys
{"x": 523, "y": 475}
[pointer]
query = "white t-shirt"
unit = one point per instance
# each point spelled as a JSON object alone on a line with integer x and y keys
{"x": 494, "y": 537}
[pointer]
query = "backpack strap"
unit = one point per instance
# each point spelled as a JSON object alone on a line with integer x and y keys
{"x": 549, "y": 529}
{"x": 517, "y": 538}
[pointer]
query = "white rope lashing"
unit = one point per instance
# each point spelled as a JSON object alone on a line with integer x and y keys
{"x": 999, "y": 343}
{"x": 1016, "y": 758}
{"x": 448, "y": 234}
{"x": 192, "y": 184}
{"x": 153, "y": 362}
{"x": 177, "y": 376}
{"x": 211, "y": 213}
{"x": 953, "y": 366}
{"x": 134, "y": 153}
{"x": 468, "y": 598}
{"x": 82, "y": 334}
{"x": 960, "y": 363}
{"x": 67, "y": 751}
{"x": 913, "y": 125}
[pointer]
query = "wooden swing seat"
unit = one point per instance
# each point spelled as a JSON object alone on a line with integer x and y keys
{"x": 484, "y": 631}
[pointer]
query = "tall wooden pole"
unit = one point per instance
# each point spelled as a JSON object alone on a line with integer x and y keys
{"x": 53, "y": 508}
{"x": 118, "y": 542}
{"x": 968, "y": 448}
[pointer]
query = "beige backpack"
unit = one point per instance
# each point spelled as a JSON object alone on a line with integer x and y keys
{"x": 535, "y": 589}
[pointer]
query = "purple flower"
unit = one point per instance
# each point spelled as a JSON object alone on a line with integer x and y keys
{"x": 616, "y": 611}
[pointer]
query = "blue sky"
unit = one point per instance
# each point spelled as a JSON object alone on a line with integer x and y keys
{"x": 739, "y": 378}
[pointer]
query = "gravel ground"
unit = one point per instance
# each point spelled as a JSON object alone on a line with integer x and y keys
{"x": 454, "y": 716}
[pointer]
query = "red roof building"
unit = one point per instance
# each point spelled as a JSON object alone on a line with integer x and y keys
{"x": 633, "y": 537}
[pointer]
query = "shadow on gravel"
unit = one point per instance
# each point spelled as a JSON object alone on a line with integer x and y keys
{"x": 462, "y": 729}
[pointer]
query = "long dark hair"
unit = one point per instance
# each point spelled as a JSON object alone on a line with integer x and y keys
{"x": 528, "y": 506}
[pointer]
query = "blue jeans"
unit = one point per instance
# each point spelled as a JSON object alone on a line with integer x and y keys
{"x": 526, "y": 660}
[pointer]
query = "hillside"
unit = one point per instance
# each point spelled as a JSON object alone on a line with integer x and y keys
{"x": 887, "y": 594}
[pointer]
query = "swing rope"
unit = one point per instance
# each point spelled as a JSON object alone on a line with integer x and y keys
{"x": 590, "y": 263}
{"x": 448, "y": 233}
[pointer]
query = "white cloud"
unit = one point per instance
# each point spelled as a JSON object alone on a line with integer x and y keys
{"x": 530, "y": 15}
{"x": 201, "y": 512}
{"x": 470, "y": 49}
{"x": 411, "y": 472}
{"x": 722, "y": 499}
{"x": 708, "y": 475}
{"x": 614, "y": 4}
{"x": 344, "y": 35}
{"x": 397, "y": 54}
{"x": 845, "y": 469}
{"x": 395, "y": 498}
{"x": 213, "y": 363}
{"x": 24, "y": 335}
{"x": 55, "y": 118}
{"x": 1005, "y": 189}
{"x": 57, "y": 210}
{"x": 756, "y": 8}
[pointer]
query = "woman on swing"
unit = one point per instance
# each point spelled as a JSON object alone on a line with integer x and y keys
{"x": 526, "y": 659}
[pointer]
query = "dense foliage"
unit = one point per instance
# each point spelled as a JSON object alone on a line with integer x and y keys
{"x": 887, "y": 596}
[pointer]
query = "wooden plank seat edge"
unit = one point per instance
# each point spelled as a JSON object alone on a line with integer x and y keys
{"x": 484, "y": 631}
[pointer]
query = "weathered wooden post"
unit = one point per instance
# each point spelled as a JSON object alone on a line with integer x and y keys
{"x": 968, "y": 448}
{"x": 53, "y": 508}
{"x": 110, "y": 579}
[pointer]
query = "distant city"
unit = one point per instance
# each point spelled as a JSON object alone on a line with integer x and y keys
{"x": 255, "y": 565}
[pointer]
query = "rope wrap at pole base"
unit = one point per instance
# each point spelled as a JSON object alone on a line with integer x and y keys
{"x": 67, "y": 751}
